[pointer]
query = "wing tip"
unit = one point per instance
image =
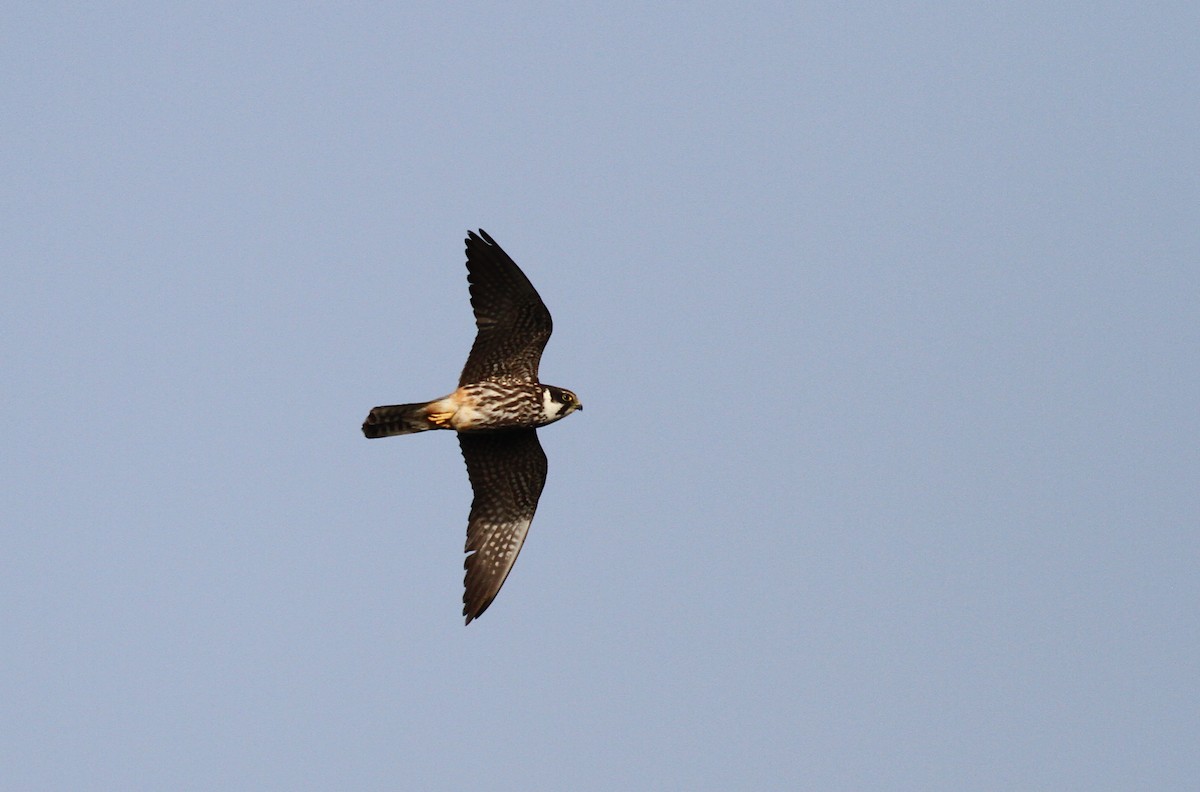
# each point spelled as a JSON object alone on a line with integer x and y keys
{"x": 470, "y": 613}
{"x": 481, "y": 237}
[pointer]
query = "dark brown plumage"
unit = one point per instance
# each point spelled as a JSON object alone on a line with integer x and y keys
{"x": 496, "y": 411}
{"x": 512, "y": 322}
{"x": 507, "y": 472}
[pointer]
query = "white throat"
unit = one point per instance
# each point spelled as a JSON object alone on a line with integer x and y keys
{"x": 550, "y": 408}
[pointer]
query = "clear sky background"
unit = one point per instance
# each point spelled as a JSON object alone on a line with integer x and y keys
{"x": 884, "y": 315}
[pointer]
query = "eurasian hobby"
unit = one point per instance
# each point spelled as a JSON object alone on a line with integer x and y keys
{"x": 496, "y": 410}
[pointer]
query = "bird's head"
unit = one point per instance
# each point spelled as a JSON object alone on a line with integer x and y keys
{"x": 558, "y": 403}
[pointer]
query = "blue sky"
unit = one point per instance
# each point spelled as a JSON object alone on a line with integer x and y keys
{"x": 884, "y": 316}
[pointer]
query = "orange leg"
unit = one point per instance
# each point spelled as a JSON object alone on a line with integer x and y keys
{"x": 440, "y": 419}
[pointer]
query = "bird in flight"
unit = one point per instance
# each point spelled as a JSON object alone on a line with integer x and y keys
{"x": 496, "y": 410}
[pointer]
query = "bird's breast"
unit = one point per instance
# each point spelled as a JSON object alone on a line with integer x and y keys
{"x": 495, "y": 405}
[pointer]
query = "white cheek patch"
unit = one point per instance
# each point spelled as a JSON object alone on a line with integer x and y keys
{"x": 550, "y": 408}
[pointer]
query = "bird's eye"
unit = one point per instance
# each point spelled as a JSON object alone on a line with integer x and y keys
{"x": 567, "y": 398}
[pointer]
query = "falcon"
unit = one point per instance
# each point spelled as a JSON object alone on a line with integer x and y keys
{"x": 496, "y": 410}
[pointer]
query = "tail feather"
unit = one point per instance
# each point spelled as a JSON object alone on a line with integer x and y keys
{"x": 397, "y": 419}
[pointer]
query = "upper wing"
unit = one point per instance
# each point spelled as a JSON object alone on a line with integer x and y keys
{"x": 513, "y": 323}
{"x": 507, "y": 471}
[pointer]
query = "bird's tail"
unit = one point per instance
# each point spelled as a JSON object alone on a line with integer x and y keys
{"x": 398, "y": 419}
